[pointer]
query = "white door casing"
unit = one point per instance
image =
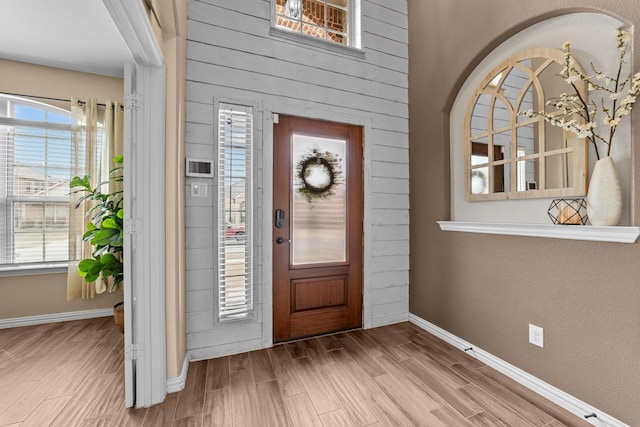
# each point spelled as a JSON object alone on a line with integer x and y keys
{"x": 144, "y": 153}
{"x": 129, "y": 362}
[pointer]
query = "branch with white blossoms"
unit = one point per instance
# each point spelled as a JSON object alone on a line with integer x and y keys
{"x": 576, "y": 114}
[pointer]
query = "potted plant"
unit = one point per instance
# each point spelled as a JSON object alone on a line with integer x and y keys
{"x": 580, "y": 115}
{"x": 105, "y": 232}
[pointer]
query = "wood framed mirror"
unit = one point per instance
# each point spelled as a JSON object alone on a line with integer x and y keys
{"x": 511, "y": 156}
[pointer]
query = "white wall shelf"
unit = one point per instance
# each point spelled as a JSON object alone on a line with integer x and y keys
{"x": 569, "y": 232}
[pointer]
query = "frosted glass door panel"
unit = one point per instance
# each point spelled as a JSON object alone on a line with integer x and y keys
{"x": 318, "y": 220}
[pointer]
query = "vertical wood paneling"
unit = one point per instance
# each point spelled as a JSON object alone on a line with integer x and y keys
{"x": 232, "y": 56}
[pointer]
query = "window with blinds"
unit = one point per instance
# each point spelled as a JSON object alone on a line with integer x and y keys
{"x": 35, "y": 167}
{"x": 234, "y": 212}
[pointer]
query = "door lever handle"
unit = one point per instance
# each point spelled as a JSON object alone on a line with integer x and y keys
{"x": 281, "y": 240}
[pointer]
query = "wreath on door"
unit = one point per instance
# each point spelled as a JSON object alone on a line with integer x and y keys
{"x": 319, "y": 173}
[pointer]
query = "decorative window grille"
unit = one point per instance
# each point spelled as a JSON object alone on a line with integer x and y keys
{"x": 36, "y": 158}
{"x": 234, "y": 212}
{"x": 334, "y": 21}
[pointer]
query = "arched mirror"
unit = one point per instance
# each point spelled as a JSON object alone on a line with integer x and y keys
{"x": 510, "y": 156}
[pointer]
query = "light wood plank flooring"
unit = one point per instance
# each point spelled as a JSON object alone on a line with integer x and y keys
{"x": 70, "y": 374}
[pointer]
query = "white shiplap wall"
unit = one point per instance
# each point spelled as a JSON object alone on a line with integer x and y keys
{"x": 233, "y": 57}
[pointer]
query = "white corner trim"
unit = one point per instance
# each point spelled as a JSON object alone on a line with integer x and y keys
{"x": 577, "y": 232}
{"x": 559, "y": 397}
{"x": 16, "y": 322}
{"x": 176, "y": 384}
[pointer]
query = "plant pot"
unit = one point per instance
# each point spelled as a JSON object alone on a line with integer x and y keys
{"x": 604, "y": 199}
{"x": 118, "y": 316}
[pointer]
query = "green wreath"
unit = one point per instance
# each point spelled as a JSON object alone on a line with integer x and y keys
{"x": 325, "y": 165}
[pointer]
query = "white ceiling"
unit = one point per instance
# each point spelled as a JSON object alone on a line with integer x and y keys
{"x": 72, "y": 34}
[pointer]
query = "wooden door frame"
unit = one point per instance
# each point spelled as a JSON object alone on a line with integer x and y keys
{"x": 266, "y": 208}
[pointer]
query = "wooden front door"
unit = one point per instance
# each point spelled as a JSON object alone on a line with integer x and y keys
{"x": 317, "y": 228}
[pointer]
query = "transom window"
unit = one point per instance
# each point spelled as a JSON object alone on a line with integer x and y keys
{"x": 35, "y": 166}
{"x": 335, "y": 21}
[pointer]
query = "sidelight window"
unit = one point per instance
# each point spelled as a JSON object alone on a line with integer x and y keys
{"x": 234, "y": 218}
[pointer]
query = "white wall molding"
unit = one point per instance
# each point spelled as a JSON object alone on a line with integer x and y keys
{"x": 587, "y": 232}
{"x": 228, "y": 349}
{"x": 17, "y": 322}
{"x": 176, "y": 384}
{"x": 559, "y": 397}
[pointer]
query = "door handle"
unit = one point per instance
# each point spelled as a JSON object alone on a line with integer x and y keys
{"x": 279, "y": 218}
{"x": 281, "y": 240}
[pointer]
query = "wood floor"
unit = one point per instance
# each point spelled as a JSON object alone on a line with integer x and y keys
{"x": 70, "y": 374}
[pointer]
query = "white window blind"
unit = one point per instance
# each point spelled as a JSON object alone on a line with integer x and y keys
{"x": 35, "y": 167}
{"x": 234, "y": 218}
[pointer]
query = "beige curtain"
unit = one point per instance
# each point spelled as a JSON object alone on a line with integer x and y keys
{"x": 92, "y": 152}
{"x": 112, "y": 141}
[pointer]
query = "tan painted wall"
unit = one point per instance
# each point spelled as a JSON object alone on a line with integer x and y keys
{"x": 22, "y": 296}
{"x": 486, "y": 289}
{"x": 30, "y": 79}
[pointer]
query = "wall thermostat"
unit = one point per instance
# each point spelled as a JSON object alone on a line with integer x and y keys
{"x": 200, "y": 168}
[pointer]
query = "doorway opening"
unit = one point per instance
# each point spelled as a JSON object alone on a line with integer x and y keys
{"x": 318, "y": 207}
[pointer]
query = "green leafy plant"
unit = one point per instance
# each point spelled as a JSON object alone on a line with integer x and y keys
{"x": 105, "y": 230}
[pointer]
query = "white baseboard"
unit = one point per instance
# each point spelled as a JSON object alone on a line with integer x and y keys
{"x": 54, "y": 317}
{"x": 176, "y": 384}
{"x": 559, "y": 397}
{"x": 229, "y": 349}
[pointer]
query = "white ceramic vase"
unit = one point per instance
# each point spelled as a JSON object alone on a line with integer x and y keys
{"x": 604, "y": 199}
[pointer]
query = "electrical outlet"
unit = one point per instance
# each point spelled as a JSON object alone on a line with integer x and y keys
{"x": 536, "y": 335}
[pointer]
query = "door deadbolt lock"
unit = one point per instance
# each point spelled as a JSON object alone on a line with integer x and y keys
{"x": 279, "y": 218}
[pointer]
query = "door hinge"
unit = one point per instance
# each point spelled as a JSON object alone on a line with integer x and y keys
{"x": 133, "y": 352}
{"x": 276, "y": 118}
{"x": 133, "y": 101}
{"x": 132, "y": 225}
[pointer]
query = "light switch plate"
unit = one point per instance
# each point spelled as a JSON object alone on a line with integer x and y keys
{"x": 199, "y": 189}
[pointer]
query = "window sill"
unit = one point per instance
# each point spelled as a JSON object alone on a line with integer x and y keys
{"x": 310, "y": 41}
{"x": 33, "y": 270}
{"x": 578, "y": 232}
